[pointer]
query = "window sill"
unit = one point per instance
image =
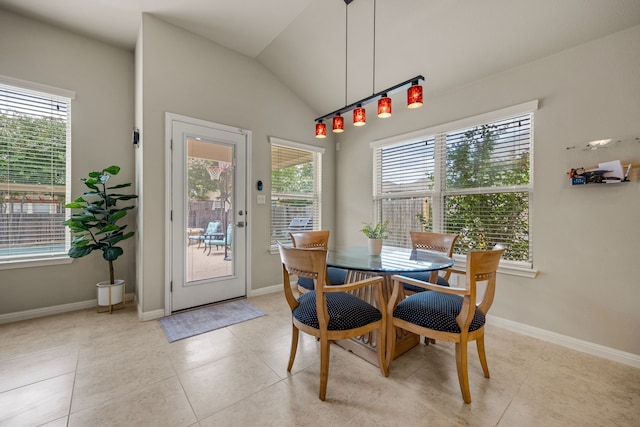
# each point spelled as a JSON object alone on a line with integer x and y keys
{"x": 506, "y": 267}
{"x": 41, "y": 262}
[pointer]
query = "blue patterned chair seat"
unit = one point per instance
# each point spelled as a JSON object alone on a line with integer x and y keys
{"x": 435, "y": 310}
{"x": 337, "y": 276}
{"x": 345, "y": 311}
{"x": 425, "y": 277}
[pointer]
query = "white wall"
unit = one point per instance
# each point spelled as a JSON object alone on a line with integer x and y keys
{"x": 102, "y": 120}
{"x": 585, "y": 239}
{"x": 185, "y": 74}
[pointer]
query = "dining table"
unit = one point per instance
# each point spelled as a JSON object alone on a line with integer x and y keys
{"x": 392, "y": 260}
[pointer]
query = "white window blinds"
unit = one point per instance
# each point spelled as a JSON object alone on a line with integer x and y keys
{"x": 487, "y": 187}
{"x": 34, "y": 186}
{"x": 295, "y": 189}
{"x": 474, "y": 182}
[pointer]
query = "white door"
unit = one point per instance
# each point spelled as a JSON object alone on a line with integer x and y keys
{"x": 208, "y": 212}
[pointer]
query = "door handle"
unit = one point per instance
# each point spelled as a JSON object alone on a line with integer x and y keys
{"x": 240, "y": 224}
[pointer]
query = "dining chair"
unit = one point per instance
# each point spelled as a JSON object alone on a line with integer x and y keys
{"x": 316, "y": 239}
{"x": 448, "y": 313}
{"x": 330, "y": 313}
{"x": 438, "y": 242}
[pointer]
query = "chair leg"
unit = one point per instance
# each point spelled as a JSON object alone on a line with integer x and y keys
{"x": 294, "y": 347}
{"x": 483, "y": 356}
{"x": 391, "y": 342}
{"x": 381, "y": 349}
{"x": 324, "y": 366}
{"x": 463, "y": 373}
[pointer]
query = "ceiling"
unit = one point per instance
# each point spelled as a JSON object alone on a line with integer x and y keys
{"x": 304, "y": 42}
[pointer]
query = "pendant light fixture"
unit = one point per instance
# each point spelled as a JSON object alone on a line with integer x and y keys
{"x": 359, "y": 116}
{"x": 338, "y": 123}
{"x": 384, "y": 106}
{"x": 414, "y": 92}
{"x": 414, "y": 95}
{"x": 321, "y": 129}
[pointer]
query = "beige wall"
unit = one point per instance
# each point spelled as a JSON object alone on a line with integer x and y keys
{"x": 185, "y": 74}
{"x": 102, "y": 120}
{"x": 585, "y": 239}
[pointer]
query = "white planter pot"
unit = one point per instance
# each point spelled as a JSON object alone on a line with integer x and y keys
{"x": 375, "y": 247}
{"x": 110, "y": 294}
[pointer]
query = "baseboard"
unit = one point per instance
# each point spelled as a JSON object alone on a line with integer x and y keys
{"x": 266, "y": 290}
{"x": 566, "y": 341}
{"x": 50, "y": 311}
{"x": 150, "y": 315}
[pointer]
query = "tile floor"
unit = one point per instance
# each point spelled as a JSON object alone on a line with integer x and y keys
{"x": 88, "y": 369}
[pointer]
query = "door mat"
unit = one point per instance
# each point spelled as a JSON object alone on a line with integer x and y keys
{"x": 195, "y": 322}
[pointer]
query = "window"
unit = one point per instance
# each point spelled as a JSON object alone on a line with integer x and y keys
{"x": 35, "y": 132}
{"x": 470, "y": 178}
{"x": 295, "y": 188}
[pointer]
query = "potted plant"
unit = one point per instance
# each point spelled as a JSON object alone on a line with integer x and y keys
{"x": 375, "y": 233}
{"x": 96, "y": 227}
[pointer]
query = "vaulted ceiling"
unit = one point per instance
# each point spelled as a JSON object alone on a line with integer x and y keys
{"x": 304, "y": 42}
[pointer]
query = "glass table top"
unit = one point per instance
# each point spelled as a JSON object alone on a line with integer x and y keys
{"x": 391, "y": 260}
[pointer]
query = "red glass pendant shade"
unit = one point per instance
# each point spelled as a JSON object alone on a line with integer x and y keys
{"x": 414, "y": 96}
{"x": 359, "y": 116}
{"x": 384, "y": 107}
{"x": 321, "y": 130}
{"x": 338, "y": 124}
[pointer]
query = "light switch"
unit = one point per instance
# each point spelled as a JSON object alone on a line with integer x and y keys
{"x": 261, "y": 199}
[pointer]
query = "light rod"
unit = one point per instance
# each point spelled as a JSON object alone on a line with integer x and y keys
{"x": 371, "y": 98}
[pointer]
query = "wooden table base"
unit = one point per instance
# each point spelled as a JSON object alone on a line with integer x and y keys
{"x": 365, "y": 345}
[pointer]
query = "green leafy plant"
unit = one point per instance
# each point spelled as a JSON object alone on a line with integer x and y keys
{"x": 96, "y": 225}
{"x": 375, "y": 231}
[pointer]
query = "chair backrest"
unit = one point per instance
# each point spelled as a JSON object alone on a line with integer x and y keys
{"x": 439, "y": 242}
{"x": 310, "y": 263}
{"x": 433, "y": 241}
{"x": 310, "y": 239}
{"x": 482, "y": 266}
{"x": 213, "y": 227}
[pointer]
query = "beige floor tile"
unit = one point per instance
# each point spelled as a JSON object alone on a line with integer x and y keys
{"x": 273, "y": 303}
{"x": 564, "y": 388}
{"x": 60, "y": 422}
{"x": 34, "y": 367}
{"x": 160, "y": 404}
{"x": 202, "y": 349}
{"x": 224, "y": 382}
{"x": 37, "y": 403}
{"x": 353, "y": 386}
{"x": 120, "y": 375}
{"x": 262, "y": 330}
{"x": 401, "y": 406}
{"x": 276, "y": 353}
{"x": 274, "y": 406}
{"x": 34, "y": 335}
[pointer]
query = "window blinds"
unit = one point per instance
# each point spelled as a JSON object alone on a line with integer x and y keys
{"x": 34, "y": 135}
{"x": 486, "y": 190}
{"x": 474, "y": 182}
{"x": 295, "y": 191}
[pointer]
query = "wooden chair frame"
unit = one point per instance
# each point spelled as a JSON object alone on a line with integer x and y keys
{"x": 438, "y": 242}
{"x": 311, "y": 240}
{"x": 481, "y": 266}
{"x": 312, "y": 263}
